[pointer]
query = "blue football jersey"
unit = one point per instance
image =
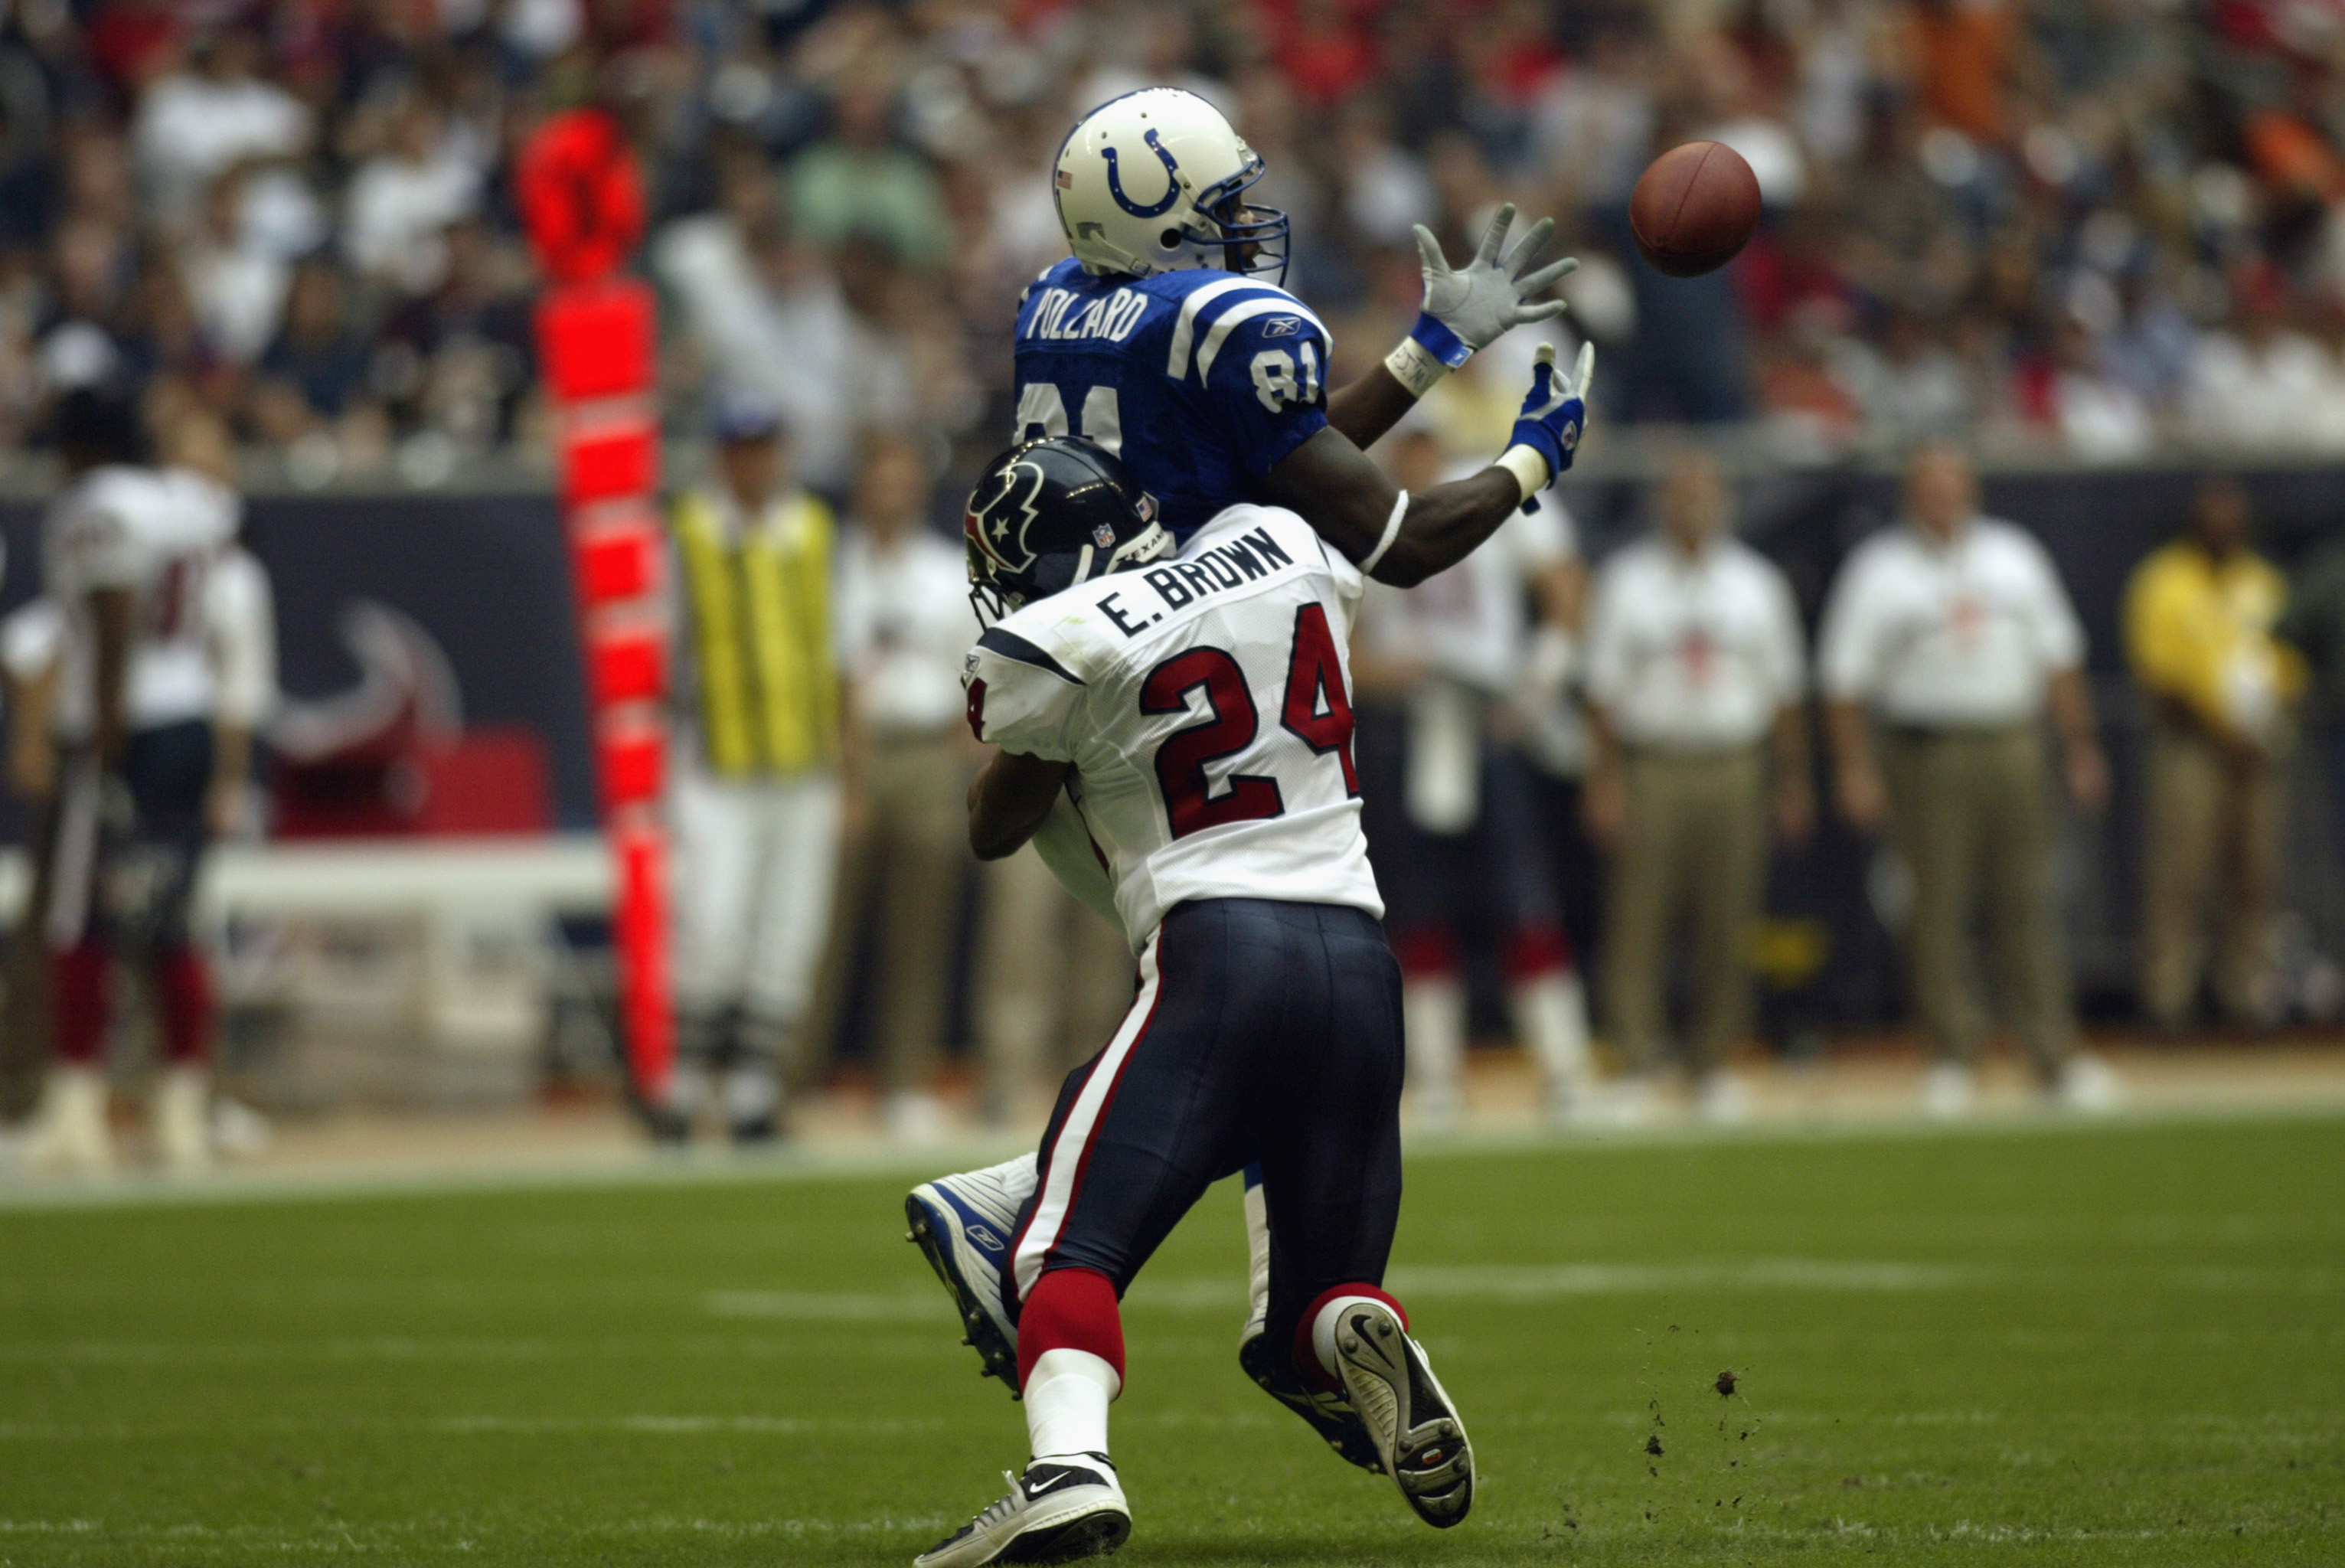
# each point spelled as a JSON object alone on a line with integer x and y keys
{"x": 1201, "y": 381}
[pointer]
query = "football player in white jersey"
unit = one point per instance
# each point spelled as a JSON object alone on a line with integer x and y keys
{"x": 129, "y": 554}
{"x": 1189, "y": 716}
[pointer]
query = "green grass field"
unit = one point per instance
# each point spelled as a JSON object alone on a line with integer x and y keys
{"x": 2117, "y": 1345}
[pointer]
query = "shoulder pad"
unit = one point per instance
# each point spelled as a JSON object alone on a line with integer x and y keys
{"x": 1211, "y": 312}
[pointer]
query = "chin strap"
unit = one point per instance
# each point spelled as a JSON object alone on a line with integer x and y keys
{"x": 1392, "y": 531}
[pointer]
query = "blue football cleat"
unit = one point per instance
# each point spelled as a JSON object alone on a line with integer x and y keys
{"x": 963, "y": 1224}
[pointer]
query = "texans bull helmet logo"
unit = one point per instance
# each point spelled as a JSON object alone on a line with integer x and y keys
{"x": 996, "y": 523}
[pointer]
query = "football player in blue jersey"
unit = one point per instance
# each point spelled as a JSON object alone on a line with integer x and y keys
{"x": 1167, "y": 339}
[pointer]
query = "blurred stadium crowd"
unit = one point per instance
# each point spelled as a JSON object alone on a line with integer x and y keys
{"x": 2102, "y": 226}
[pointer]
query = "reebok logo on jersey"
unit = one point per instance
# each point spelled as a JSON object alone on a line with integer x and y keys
{"x": 1282, "y": 326}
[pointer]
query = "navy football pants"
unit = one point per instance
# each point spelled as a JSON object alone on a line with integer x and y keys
{"x": 1264, "y": 1032}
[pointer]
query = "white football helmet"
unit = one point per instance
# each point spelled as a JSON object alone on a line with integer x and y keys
{"x": 1154, "y": 180}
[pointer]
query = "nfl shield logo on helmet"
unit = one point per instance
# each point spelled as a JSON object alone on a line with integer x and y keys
{"x": 1102, "y": 535}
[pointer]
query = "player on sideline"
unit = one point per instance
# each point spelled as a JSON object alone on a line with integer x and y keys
{"x": 1192, "y": 713}
{"x": 138, "y": 723}
{"x": 1165, "y": 338}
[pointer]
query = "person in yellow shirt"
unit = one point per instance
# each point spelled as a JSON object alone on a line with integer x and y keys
{"x": 754, "y": 800}
{"x": 2198, "y": 623}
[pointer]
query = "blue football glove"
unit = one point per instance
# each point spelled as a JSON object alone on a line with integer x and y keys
{"x": 1554, "y": 413}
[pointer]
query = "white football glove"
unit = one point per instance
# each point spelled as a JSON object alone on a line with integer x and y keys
{"x": 1491, "y": 294}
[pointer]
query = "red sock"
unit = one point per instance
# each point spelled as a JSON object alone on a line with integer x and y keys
{"x": 1535, "y": 952}
{"x": 1070, "y": 1309}
{"x": 1306, "y": 1358}
{"x": 1425, "y": 952}
{"x": 183, "y": 996}
{"x": 77, "y": 977}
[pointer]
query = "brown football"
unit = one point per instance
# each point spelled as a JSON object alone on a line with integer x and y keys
{"x": 1694, "y": 206}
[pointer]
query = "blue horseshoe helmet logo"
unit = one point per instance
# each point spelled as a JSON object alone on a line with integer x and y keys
{"x": 1172, "y": 179}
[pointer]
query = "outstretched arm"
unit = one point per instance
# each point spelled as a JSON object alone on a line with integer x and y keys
{"x": 1405, "y": 540}
{"x": 1465, "y": 309}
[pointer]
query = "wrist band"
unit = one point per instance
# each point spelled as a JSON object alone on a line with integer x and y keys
{"x": 1392, "y": 531}
{"x": 1415, "y": 367}
{"x": 1528, "y": 466}
{"x": 1432, "y": 334}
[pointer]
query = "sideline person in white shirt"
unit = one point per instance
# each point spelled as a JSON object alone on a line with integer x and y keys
{"x": 1696, "y": 674}
{"x": 1951, "y": 634}
{"x": 903, "y": 628}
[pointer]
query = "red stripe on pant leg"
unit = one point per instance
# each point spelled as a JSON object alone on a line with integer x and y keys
{"x": 1058, "y": 1134}
{"x": 1306, "y": 1360}
{"x": 1071, "y": 1309}
{"x": 78, "y": 976}
{"x": 1107, "y": 1104}
{"x": 184, "y": 994}
{"x": 1042, "y": 1173}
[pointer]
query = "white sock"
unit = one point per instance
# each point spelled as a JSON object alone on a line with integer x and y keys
{"x": 1433, "y": 1014}
{"x": 752, "y": 1092}
{"x": 1551, "y": 1015}
{"x": 690, "y": 1089}
{"x": 1323, "y": 1330}
{"x": 1257, "y": 1224}
{"x": 1067, "y": 1396}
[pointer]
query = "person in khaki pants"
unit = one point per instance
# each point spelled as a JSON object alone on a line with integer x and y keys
{"x": 1056, "y": 979}
{"x": 1694, "y": 674}
{"x": 1953, "y": 633}
{"x": 2198, "y": 620}
{"x": 904, "y": 625}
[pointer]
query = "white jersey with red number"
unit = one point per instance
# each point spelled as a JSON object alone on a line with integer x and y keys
{"x": 1205, "y": 704}
{"x": 157, "y": 536}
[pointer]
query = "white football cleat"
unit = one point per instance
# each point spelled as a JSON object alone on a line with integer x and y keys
{"x": 1065, "y": 1507}
{"x": 914, "y": 1116}
{"x": 1949, "y": 1091}
{"x": 1418, "y": 1436}
{"x": 69, "y": 1135}
{"x": 182, "y": 1111}
{"x": 1628, "y": 1103}
{"x": 1722, "y": 1098}
{"x": 2088, "y": 1085}
{"x": 963, "y": 1224}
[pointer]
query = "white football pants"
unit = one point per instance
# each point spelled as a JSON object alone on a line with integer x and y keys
{"x": 755, "y": 867}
